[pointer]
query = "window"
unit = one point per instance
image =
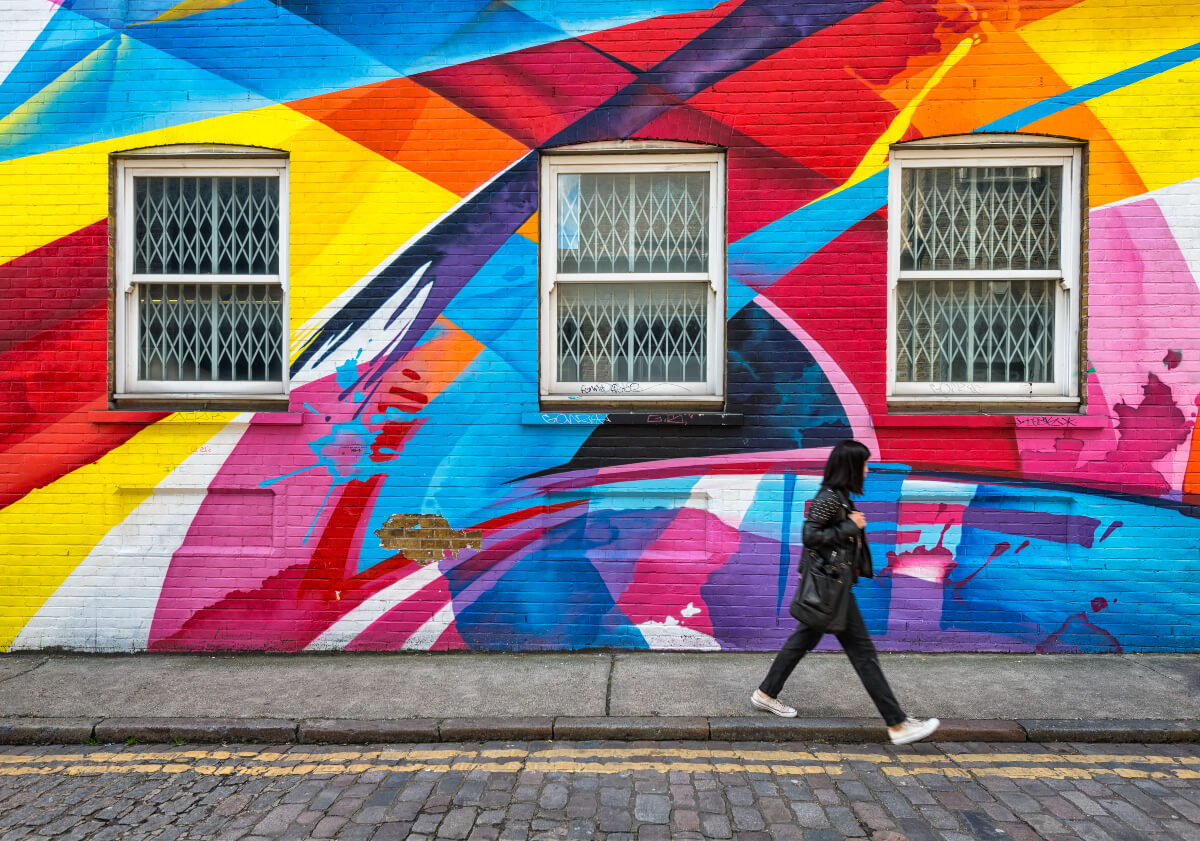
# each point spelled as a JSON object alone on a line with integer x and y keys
{"x": 202, "y": 276}
{"x": 983, "y": 264}
{"x": 633, "y": 274}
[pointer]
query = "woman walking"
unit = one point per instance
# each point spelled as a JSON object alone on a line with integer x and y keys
{"x": 834, "y": 525}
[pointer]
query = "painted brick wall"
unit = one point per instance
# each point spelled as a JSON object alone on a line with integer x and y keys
{"x": 414, "y": 494}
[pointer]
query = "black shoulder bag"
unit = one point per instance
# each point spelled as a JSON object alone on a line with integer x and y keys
{"x": 822, "y": 600}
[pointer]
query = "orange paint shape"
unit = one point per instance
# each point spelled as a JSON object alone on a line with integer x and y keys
{"x": 998, "y": 76}
{"x": 994, "y": 80}
{"x": 418, "y": 129}
{"x": 530, "y": 229}
{"x": 1191, "y": 477}
{"x": 1111, "y": 175}
{"x": 424, "y": 373}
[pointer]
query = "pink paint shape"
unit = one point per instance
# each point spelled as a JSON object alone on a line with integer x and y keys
{"x": 1143, "y": 301}
{"x": 671, "y": 571}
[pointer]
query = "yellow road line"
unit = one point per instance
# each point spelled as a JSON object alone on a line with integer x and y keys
{"x": 276, "y": 763}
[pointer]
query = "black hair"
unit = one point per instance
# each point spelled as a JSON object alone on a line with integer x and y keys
{"x": 844, "y": 470}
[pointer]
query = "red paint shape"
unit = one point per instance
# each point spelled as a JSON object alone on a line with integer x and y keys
{"x": 46, "y": 428}
{"x": 533, "y": 94}
{"x": 1172, "y": 359}
{"x": 1022, "y": 546}
{"x": 54, "y": 362}
{"x": 418, "y": 399}
{"x": 1098, "y": 604}
{"x": 389, "y": 441}
{"x": 670, "y": 572}
{"x": 764, "y": 184}
{"x": 506, "y": 520}
{"x": 54, "y": 284}
{"x": 410, "y": 373}
{"x": 818, "y": 101}
{"x": 61, "y": 447}
{"x": 854, "y": 336}
{"x": 40, "y": 388}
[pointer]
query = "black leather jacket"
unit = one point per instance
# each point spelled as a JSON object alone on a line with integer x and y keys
{"x": 829, "y": 527}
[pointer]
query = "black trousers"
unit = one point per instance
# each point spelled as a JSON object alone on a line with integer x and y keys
{"x": 856, "y": 641}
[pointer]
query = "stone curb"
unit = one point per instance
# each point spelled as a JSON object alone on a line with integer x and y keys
{"x": 202, "y": 730}
{"x": 65, "y": 731}
{"x": 980, "y": 730}
{"x": 1101, "y": 730}
{"x": 343, "y": 731}
{"x": 632, "y": 728}
{"x": 496, "y": 729}
{"x": 46, "y": 731}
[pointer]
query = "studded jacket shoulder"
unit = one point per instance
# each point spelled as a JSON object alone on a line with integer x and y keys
{"x": 828, "y": 527}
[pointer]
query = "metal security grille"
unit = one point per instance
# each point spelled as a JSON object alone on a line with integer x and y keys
{"x": 975, "y": 331}
{"x": 202, "y": 332}
{"x": 192, "y": 225}
{"x": 632, "y": 332}
{"x": 981, "y": 218}
{"x": 652, "y": 222}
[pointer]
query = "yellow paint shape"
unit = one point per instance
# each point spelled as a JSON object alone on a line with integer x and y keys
{"x": 350, "y": 208}
{"x": 876, "y": 157}
{"x": 48, "y": 532}
{"x": 1156, "y": 122}
{"x": 188, "y": 8}
{"x": 1097, "y": 38}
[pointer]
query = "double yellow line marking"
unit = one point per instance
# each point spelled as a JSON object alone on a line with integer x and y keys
{"x": 306, "y": 762}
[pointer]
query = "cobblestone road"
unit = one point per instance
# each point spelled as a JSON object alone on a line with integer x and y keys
{"x": 561, "y": 790}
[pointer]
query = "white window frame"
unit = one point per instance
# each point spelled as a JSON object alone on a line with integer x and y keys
{"x": 630, "y": 156}
{"x": 204, "y": 162}
{"x": 995, "y": 151}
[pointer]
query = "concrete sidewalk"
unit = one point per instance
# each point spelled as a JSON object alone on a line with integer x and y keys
{"x": 374, "y": 698}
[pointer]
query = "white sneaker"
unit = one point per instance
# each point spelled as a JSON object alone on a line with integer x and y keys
{"x": 912, "y": 730}
{"x": 765, "y": 702}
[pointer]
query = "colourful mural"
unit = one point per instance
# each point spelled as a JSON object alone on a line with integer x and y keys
{"x": 414, "y": 495}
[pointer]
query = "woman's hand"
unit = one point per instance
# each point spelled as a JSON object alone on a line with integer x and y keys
{"x": 859, "y": 519}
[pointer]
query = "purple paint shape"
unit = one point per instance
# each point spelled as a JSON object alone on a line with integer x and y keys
{"x": 1038, "y": 525}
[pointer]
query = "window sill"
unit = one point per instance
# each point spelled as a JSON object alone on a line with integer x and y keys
{"x": 187, "y": 403}
{"x": 976, "y": 405}
{"x": 606, "y": 403}
{"x": 944, "y": 421}
{"x": 666, "y": 417}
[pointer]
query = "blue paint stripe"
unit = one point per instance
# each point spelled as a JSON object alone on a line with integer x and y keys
{"x": 785, "y": 539}
{"x": 765, "y": 256}
{"x": 1130, "y": 76}
{"x": 761, "y": 258}
{"x": 257, "y": 52}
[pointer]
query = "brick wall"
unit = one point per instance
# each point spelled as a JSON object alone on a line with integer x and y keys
{"x": 413, "y": 139}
